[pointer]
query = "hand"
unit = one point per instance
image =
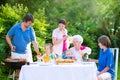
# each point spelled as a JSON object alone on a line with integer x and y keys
{"x": 12, "y": 48}
{"x": 22, "y": 60}
{"x": 38, "y": 56}
{"x": 98, "y": 74}
{"x": 74, "y": 58}
{"x": 89, "y": 60}
{"x": 65, "y": 37}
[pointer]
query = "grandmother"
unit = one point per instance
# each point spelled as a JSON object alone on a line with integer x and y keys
{"x": 77, "y": 41}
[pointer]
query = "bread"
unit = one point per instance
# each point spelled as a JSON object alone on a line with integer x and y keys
{"x": 15, "y": 60}
{"x": 64, "y": 61}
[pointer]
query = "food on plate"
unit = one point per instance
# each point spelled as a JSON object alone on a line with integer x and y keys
{"x": 15, "y": 60}
{"x": 64, "y": 61}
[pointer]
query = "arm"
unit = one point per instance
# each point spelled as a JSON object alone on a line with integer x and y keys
{"x": 11, "y": 33}
{"x": 55, "y": 41}
{"x": 95, "y": 60}
{"x": 54, "y": 38}
{"x": 104, "y": 70}
{"x": 35, "y": 45}
{"x": 92, "y": 60}
{"x": 9, "y": 42}
{"x": 109, "y": 63}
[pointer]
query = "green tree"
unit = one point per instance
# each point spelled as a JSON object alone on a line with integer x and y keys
{"x": 10, "y": 15}
{"x": 80, "y": 17}
{"x": 109, "y": 19}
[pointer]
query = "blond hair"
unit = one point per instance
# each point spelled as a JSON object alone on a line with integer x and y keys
{"x": 50, "y": 46}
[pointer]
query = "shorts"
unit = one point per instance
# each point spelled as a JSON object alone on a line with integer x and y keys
{"x": 27, "y": 56}
{"x": 105, "y": 76}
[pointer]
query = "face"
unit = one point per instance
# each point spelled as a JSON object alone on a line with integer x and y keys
{"x": 28, "y": 23}
{"x": 68, "y": 53}
{"x": 48, "y": 50}
{"x": 76, "y": 44}
{"x": 100, "y": 45}
{"x": 61, "y": 26}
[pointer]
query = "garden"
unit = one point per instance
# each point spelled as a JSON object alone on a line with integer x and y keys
{"x": 88, "y": 18}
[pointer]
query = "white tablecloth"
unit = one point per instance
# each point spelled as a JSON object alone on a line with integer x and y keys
{"x": 83, "y": 71}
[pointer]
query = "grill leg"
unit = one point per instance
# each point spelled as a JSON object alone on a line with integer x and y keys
{"x": 11, "y": 76}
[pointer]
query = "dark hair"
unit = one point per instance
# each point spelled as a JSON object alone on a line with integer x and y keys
{"x": 104, "y": 40}
{"x": 28, "y": 17}
{"x": 63, "y": 21}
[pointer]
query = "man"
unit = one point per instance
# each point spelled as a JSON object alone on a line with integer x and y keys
{"x": 22, "y": 35}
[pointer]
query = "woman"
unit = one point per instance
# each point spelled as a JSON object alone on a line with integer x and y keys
{"x": 59, "y": 39}
{"x": 76, "y": 51}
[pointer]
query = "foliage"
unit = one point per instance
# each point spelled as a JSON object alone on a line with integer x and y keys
{"x": 89, "y": 18}
{"x": 40, "y": 26}
{"x": 10, "y": 15}
{"x": 108, "y": 18}
{"x": 118, "y": 72}
{"x": 80, "y": 17}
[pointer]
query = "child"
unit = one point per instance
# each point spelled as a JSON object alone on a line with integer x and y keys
{"x": 59, "y": 37}
{"x": 69, "y": 55}
{"x": 48, "y": 56}
{"x": 106, "y": 59}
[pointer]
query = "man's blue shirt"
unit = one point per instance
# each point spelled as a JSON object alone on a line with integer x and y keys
{"x": 21, "y": 39}
{"x": 106, "y": 59}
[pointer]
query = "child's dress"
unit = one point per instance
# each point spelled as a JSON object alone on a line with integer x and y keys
{"x": 47, "y": 58}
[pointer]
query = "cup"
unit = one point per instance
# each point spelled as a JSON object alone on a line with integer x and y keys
{"x": 28, "y": 63}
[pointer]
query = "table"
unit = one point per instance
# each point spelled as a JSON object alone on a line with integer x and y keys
{"x": 82, "y": 71}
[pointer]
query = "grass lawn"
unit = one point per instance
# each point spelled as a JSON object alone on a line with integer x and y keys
{"x": 118, "y": 72}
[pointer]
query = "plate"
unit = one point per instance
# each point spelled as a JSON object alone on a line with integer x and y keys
{"x": 85, "y": 63}
{"x": 33, "y": 63}
{"x": 66, "y": 64}
{"x": 44, "y": 64}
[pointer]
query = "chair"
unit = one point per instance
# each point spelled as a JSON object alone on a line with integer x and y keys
{"x": 116, "y": 55}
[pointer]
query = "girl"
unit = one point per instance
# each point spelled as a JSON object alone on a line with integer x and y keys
{"x": 59, "y": 39}
{"x": 48, "y": 56}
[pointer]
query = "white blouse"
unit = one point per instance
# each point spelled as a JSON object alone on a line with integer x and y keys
{"x": 57, "y": 49}
{"x": 76, "y": 54}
